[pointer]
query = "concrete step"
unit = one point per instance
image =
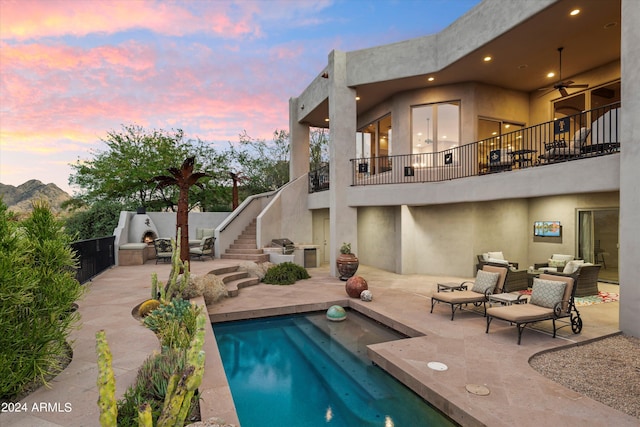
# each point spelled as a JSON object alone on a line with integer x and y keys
{"x": 234, "y": 286}
{"x": 246, "y": 242}
{"x": 247, "y": 257}
{"x": 241, "y": 246}
{"x": 244, "y": 251}
{"x": 223, "y": 270}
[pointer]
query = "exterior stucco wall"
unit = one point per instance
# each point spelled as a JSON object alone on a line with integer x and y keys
{"x": 445, "y": 239}
{"x": 630, "y": 172}
{"x": 377, "y": 233}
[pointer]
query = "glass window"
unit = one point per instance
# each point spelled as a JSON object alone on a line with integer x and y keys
{"x": 376, "y": 140}
{"x": 435, "y": 127}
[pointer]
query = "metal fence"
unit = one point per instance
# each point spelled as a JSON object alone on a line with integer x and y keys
{"x": 586, "y": 134}
{"x": 94, "y": 256}
{"x": 319, "y": 179}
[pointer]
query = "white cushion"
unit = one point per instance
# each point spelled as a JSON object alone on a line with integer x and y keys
{"x": 498, "y": 261}
{"x": 562, "y": 257}
{"x": 579, "y": 137}
{"x": 572, "y": 266}
{"x": 496, "y": 255}
{"x": 485, "y": 256}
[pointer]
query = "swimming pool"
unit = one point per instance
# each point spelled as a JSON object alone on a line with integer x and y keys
{"x": 305, "y": 371}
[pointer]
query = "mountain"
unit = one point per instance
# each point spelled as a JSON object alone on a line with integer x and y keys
{"x": 19, "y": 199}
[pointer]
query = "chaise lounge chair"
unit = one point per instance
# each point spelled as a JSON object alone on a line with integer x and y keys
{"x": 552, "y": 298}
{"x": 488, "y": 281}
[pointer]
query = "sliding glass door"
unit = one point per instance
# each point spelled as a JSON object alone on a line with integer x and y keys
{"x": 598, "y": 240}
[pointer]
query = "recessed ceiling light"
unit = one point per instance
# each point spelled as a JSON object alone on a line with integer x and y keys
{"x": 487, "y": 58}
{"x": 357, "y": 98}
{"x": 574, "y": 12}
{"x": 430, "y": 79}
{"x": 551, "y": 74}
{"x": 326, "y": 120}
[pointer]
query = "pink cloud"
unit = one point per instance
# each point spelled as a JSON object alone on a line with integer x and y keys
{"x": 34, "y": 19}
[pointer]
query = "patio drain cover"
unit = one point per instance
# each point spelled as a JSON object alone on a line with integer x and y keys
{"x": 437, "y": 366}
{"x": 477, "y": 389}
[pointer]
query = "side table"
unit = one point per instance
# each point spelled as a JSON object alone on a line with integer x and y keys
{"x": 508, "y": 298}
{"x": 451, "y": 286}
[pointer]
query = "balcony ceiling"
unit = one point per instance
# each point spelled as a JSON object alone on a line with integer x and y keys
{"x": 522, "y": 56}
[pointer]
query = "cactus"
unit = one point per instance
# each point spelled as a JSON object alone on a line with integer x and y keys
{"x": 147, "y": 307}
{"x": 181, "y": 388}
{"x": 176, "y": 284}
{"x": 144, "y": 416}
{"x": 106, "y": 383}
{"x": 154, "y": 286}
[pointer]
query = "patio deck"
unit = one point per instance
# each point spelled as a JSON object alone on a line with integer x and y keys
{"x": 518, "y": 394}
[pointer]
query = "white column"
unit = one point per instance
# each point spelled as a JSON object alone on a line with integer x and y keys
{"x": 299, "y": 143}
{"x": 629, "y": 171}
{"x": 342, "y": 131}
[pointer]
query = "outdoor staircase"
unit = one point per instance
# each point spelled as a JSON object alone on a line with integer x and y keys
{"x": 245, "y": 247}
{"x": 233, "y": 279}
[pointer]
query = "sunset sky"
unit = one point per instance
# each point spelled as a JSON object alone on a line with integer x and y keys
{"x": 70, "y": 71}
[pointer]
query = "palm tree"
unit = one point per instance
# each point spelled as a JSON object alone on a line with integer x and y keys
{"x": 184, "y": 178}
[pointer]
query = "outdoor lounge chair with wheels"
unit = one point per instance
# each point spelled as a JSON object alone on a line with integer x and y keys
{"x": 163, "y": 249}
{"x": 488, "y": 281}
{"x": 205, "y": 248}
{"x": 552, "y": 298}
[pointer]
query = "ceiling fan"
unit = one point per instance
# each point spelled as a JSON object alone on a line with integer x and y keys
{"x": 562, "y": 86}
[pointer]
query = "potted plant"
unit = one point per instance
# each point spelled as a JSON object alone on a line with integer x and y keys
{"x": 346, "y": 262}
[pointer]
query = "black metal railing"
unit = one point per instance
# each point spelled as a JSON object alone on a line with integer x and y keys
{"x": 94, "y": 256}
{"x": 589, "y": 133}
{"x": 319, "y": 179}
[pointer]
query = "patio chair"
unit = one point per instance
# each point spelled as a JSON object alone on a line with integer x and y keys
{"x": 205, "y": 248}
{"x": 488, "y": 281}
{"x": 585, "y": 277}
{"x": 163, "y": 249}
{"x": 559, "y": 150}
{"x": 552, "y": 298}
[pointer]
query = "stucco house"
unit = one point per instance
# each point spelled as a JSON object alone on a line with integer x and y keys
{"x": 455, "y": 144}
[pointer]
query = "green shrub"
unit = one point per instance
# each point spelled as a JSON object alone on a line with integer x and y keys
{"x": 37, "y": 291}
{"x": 174, "y": 323}
{"x": 286, "y": 273}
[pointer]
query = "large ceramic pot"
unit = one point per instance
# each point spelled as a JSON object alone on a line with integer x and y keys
{"x": 347, "y": 265}
{"x": 355, "y": 285}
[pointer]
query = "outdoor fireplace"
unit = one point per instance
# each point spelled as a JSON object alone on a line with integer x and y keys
{"x": 148, "y": 237}
{"x": 142, "y": 229}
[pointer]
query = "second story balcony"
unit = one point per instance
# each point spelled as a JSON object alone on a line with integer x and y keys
{"x": 588, "y": 134}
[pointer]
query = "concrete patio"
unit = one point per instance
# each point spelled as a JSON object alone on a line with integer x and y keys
{"x": 518, "y": 394}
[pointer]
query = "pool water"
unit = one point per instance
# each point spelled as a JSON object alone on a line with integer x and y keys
{"x": 304, "y": 371}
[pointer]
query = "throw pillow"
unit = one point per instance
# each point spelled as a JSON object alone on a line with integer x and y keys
{"x": 485, "y": 280}
{"x": 547, "y": 293}
{"x": 572, "y": 266}
{"x": 496, "y": 255}
{"x": 558, "y": 263}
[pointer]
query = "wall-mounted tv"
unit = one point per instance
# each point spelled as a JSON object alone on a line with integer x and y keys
{"x": 547, "y": 229}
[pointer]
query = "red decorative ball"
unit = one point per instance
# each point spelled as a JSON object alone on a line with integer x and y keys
{"x": 355, "y": 285}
